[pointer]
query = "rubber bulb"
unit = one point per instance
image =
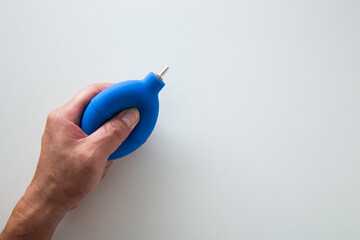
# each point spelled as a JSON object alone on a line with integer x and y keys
{"x": 140, "y": 94}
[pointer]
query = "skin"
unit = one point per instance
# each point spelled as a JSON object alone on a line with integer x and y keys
{"x": 71, "y": 165}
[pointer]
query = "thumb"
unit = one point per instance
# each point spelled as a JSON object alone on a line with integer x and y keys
{"x": 114, "y": 132}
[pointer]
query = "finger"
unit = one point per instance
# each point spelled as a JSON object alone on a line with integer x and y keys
{"x": 111, "y": 135}
{"x": 74, "y": 109}
{"x": 108, "y": 164}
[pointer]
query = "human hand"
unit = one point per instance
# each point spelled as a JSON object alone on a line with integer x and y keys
{"x": 70, "y": 166}
{"x": 71, "y": 163}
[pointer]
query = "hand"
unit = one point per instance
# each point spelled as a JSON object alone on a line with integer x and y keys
{"x": 71, "y": 163}
{"x": 70, "y": 166}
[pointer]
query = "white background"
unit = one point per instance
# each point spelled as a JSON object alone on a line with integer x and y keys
{"x": 259, "y": 128}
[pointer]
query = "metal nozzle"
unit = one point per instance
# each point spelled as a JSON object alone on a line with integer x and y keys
{"x": 162, "y": 73}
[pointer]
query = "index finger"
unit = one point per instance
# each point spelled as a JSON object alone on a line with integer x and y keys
{"x": 75, "y": 108}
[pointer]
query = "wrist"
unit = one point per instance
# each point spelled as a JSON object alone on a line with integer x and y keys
{"x": 33, "y": 217}
{"x": 35, "y": 203}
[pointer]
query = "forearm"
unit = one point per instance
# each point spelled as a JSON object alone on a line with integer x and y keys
{"x": 32, "y": 218}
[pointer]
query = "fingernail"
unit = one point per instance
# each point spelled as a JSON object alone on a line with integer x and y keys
{"x": 130, "y": 117}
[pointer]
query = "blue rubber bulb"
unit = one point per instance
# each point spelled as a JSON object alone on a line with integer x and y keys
{"x": 140, "y": 94}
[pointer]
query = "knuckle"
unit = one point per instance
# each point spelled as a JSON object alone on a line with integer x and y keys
{"x": 118, "y": 128}
{"x": 87, "y": 161}
{"x": 52, "y": 116}
{"x": 93, "y": 88}
{"x": 85, "y": 154}
{"x": 82, "y": 161}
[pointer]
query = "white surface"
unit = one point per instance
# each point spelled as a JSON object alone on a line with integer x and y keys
{"x": 259, "y": 128}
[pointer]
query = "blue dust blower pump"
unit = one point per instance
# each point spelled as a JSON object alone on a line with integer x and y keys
{"x": 140, "y": 94}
